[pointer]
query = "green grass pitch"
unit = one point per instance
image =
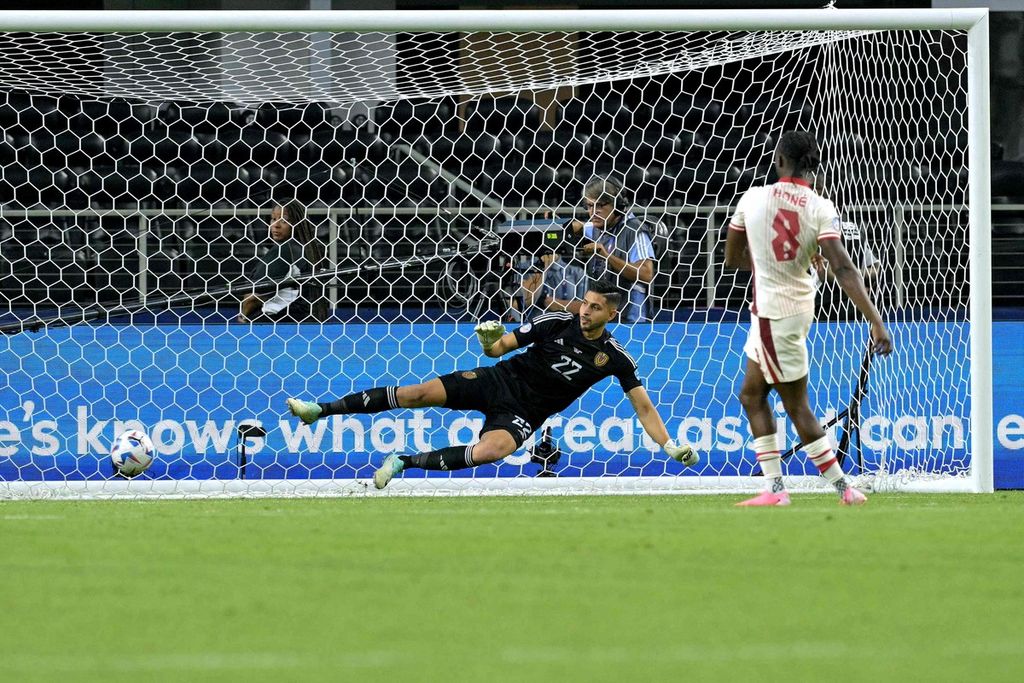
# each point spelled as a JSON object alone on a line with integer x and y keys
{"x": 684, "y": 588}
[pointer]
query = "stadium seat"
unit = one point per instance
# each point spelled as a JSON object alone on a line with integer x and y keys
{"x": 109, "y": 186}
{"x": 25, "y": 153}
{"x": 635, "y": 150}
{"x": 407, "y": 120}
{"x": 9, "y": 146}
{"x": 92, "y": 145}
{"x": 406, "y": 179}
{"x": 497, "y": 115}
{"x": 113, "y": 117}
{"x": 205, "y": 183}
{"x": 329, "y": 145}
{"x": 257, "y": 145}
{"x": 1008, "y": 178}
{"x": 701, "y": 183}
{"x": 642, "y": 147}
{"x": 513, "y": 186}
{"x": 29, "y": 111}
{"x": 595, "y": 114}
{"x": 194, "y": 118}
{"x": 14, "y": 185}
{"x": 366, "y": 187}
{"x": 45, "y": 186}
{"x": 566, "y": 147}
{"x": 535, "y": 146}
{"x": 685, "y": 113}
{"x": 212, "y": 147}
{"x": 179, "y": 148}
{"x": 440, "y": 150}
{"x": 735, "y": 144}
{"x": 284, "y": 118}
{"x": 319, "y": 182}
{"x": 470, "y": 148}
{"x": 367, "y": 147}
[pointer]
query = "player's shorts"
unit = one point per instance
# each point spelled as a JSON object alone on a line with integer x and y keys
{"x": 780, "y": 346}
{"x": 492, "y": 393}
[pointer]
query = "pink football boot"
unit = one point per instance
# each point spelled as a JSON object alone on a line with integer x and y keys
{"x": 852, "y": 496}
{"x": 766, "y": 499}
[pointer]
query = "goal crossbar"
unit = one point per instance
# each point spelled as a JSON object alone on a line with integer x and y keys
{"x": 413, "y": 21}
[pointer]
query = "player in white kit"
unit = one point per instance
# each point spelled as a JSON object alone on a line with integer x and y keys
{"x": 775, "y": 231}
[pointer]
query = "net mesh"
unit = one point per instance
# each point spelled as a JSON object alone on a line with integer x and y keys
{"x": 139, "y": 173}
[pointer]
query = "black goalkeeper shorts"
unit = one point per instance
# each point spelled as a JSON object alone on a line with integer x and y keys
{"x": 490, "y": 392}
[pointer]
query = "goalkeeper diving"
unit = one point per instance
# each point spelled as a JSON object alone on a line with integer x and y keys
{"x": 567, "y": 355}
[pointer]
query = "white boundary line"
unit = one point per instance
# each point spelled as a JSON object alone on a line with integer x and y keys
{"x": 455, "y": 486}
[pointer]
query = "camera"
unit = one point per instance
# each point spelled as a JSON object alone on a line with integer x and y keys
{"x": 527, "y": 264}
{"x": 566, "y": 243}
{"x": 546, "y": 454}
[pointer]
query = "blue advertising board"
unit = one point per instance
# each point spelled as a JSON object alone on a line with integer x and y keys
{"x": 65, "y": 394}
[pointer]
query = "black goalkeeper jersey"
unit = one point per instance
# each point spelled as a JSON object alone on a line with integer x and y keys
{"x": 560, "y": 364}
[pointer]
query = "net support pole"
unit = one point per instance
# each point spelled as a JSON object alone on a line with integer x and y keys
{"x": 980, "y": 217}
{"x": 142, "y": 246}
{"x": 710, "y": 242}
{"x": 332, "y": 255}
{"x": 899, "y": 219}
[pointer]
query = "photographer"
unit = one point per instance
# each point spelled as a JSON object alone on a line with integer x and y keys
{"x": 553, "y": 281}
{"x": 832, "y": 303}
{"x": 618, "y": 245}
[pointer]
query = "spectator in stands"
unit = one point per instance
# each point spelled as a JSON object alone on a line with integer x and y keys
{"x": 619, "y": 244}
{"x": 295, "y": 251}
{"x": 832, "y": 304}
{"x": 1007, "y": 51}
{"x": 551, "y": 284}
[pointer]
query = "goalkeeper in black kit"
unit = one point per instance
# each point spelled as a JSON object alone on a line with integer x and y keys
{"x": 567, "y": 355}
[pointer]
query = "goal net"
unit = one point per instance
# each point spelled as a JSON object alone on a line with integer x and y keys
{"x": 139, "y": 172}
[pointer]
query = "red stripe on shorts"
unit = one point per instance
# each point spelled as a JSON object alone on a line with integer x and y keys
{"x": 769, "y": 346}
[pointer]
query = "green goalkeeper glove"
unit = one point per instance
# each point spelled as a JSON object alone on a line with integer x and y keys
{"x": 683, "y": 454}
{"x": 489, "y": 332}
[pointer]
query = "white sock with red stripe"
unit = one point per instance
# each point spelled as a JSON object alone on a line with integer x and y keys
{"x": 820, "y": 453}
{"x": 766, "y": 448}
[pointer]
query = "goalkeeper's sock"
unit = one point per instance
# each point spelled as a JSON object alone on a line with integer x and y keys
{"x": 820, "y": 453}
{"x": 450, "y": 458}
{"x": 766, "y": 448}
{"x": 369, "y": 401}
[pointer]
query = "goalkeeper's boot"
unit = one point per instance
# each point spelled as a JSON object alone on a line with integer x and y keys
{"x": 306, "y": 411}
{"x": 766, "y": 499}
{"x": 852, "y": 496}
{"x": 392, "y": 466}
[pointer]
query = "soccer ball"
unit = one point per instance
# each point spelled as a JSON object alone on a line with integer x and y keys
{"x": 132, "y": 453}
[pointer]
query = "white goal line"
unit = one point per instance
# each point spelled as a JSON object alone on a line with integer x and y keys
{"x": 459, "y": 486}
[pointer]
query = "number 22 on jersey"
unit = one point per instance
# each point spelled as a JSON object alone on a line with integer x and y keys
{"x": 567, "y": 367}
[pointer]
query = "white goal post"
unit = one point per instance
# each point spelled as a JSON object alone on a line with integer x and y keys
{"x": 143, "y": 152}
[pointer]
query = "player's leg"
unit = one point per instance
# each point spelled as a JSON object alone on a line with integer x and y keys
{"x": 754, "y": 399}
{"x": 503, "y": 432}
{"x": 374, "y": 400}
{"x": 492, "y": 446}
{"x": 816, "y": 442}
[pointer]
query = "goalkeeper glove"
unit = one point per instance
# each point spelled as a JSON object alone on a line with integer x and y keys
{"x": 489, "y": 332}
{"x": 683, "y": 454}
